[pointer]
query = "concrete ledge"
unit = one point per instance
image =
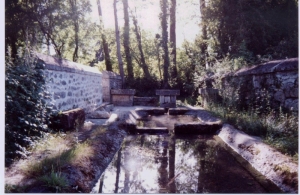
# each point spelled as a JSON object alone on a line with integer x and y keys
{"x": 272, "y": 164}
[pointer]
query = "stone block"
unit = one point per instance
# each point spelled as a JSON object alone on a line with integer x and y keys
{"x": 99, "y": 114}
{"x": 68, "y": 120}
{"x": 122, "y": 91}
{"x": 167, "y": 92}
{"x": 279, "y": 96}
{"x": 122, "y": 97}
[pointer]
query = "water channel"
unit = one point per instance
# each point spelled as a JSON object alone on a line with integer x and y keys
{"x": 176, "y": 164}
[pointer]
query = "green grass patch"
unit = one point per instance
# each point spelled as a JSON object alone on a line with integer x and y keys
{"x": 55, "y": 181}
{"x": 280, "y": 130}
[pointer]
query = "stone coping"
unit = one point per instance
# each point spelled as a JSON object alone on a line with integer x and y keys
{"x": 270, "y": 67}
{"x": 122, "y": 91}
{"x": 167, "y": 92}
{"x": 53, "y": 63}
{"x": 275, "y": 166}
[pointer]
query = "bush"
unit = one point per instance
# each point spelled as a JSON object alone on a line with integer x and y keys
{"x": 26, "y": 112}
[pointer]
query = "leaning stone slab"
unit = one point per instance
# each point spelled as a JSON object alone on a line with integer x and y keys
{"x": 69, "y": 120}
{"x": 196, "y": 128}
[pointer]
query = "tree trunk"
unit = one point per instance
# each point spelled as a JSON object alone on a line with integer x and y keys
{"x": 126, "y": 41}
{"x": 173, "y": 36}
{"x": 203, "y": 46}
{"x": 139, "y": 40}
{"x": 73, "y": 4}
{"x": 104, "y": 42}
{"x": 121, "y": 70}
{"x": 164, "y": 25}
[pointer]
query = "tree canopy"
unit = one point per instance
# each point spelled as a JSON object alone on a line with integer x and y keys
{"x": 251, "y": 31}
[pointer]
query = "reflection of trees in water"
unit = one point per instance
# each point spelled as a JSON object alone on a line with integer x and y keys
{"x": 196, "y": 159}
{"x": 177, "y": 165}
{"x": 172, "y": 149}
{"x": 141, "y": 154}
{"x": 162, "y": 160}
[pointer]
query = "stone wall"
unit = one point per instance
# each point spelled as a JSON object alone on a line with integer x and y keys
{"x": 274, "y": 83}
{"x": 72, "y": 85}
{"x": 110, "y": 81}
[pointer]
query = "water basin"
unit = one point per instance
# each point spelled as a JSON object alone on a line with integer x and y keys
{"x": 175, "y": 164}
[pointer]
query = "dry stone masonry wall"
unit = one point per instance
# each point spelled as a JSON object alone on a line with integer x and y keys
{"x": 275, "y": 80}
{"x": 72, "y": 85}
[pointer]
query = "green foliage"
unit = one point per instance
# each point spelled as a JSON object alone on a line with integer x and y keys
{"x": 55, "y": 181}
{"x": 62, "y": 25}
{"x": 250, "y": 28}
{"x": 144, "y": 86}
{"x": 15, "y": 188}
{"x": 26, "y": 111}
{"x": 278, "y": 129}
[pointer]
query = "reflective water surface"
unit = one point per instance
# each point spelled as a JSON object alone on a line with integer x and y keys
{"x": 172, "y": 164}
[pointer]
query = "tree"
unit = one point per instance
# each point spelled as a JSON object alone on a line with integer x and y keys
{"x": 173, "y": 36}
{"x": 108, "y": 63}
{"x": 126, "y": 41}
{"x": 74, "y": 16}
{"x": 139, "y": 41}
{"x": 117, "y": 32}
{"x": 250, "y": 29}
{"x": 164, "y": 27}
{"x": 203, "y": 45}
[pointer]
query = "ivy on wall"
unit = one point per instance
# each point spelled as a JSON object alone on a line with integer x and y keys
{"x": 26, "y": 112}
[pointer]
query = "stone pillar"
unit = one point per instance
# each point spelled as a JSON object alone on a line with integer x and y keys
{"x": 208, "y": 95}
{"x": 110, "y": 80}
{"x": 122, "y": 97}
{"x": 167, "y": 97}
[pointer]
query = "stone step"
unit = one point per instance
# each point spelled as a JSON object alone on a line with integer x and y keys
{"x": 152, "y": 130}
{"x": 196, "y": 128}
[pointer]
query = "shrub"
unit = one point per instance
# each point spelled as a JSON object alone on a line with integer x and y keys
{"x": 26, "y": 111}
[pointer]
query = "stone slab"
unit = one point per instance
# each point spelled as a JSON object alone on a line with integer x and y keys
{"x": 168, "y": 92}
{"x": 263, "y": 158}
{"x": 196, "y": 128}
{"x": 152, "y": 130}
{"x": 122, "y": 91}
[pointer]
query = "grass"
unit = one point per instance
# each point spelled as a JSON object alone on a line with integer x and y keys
{"x": 58, "y": 160}
{"x": 55, "y": 181}
{"x": 55, "y": 152}
{"x": 279, "y": 130}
